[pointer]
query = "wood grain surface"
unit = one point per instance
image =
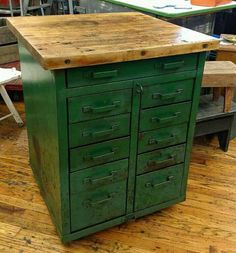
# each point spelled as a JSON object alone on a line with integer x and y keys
{"x": 204, "y": 223}
{"x": 81, "y": 40}
{"x": 219, "y": 74}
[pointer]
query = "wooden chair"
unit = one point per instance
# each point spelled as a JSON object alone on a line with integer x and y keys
{"x": 220, "y": 74}
{"x": 7, "y": 75}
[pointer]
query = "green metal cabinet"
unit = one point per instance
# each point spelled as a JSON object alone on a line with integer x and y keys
{"x": 111, "y": 143}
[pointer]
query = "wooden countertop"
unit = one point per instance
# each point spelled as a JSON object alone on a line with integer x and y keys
{"x": 67, "y": 41}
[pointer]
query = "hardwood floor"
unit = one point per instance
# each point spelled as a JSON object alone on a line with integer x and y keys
{"x": 205, "y": 222}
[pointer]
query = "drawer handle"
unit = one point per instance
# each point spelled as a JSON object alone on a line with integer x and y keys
{"x": 164, "y": 141}
{"x": 167, "y": 95}
{"x": 90, "y": 203}
{"x": 109, "y": 178}
{"x": 170, "y": 160}
{"x": 168, "y": 181}
{"x": 102, "y": 156}
{"x": 101, "y": 109}
{"x": 166, "y": 119}
{"x": 173, "y": 65}
{"x": 105, "y": 74}
{"x": 101, "y": 132}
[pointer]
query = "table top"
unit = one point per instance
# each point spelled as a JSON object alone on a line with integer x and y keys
{"x": 66, "y": 41}
{"x": 170, "y": 12}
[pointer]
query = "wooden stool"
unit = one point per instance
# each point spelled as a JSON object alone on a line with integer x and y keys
{"x": 220, "y": 74}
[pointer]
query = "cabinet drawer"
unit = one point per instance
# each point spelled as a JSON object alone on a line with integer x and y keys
{"x": 167, "y": 93}
{"x": 159, "y": 159}
{"x": 164, "y": 116}
{"x": 162, "y": 137}
{"x": 99, "y": 205}
{"x": 102, "y": 175}
{"x": 92, "y": 131}
{"x": 99, "y": 105}
{"x": 158, "y": 187}
{"x": 95, "y": 154}
{"x": 129, "y": 70}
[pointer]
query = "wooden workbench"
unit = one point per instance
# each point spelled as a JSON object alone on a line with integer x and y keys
{"x": 111, "y": 102}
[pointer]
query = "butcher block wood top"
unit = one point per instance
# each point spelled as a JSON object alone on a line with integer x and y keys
{"x": 67, "y": 41}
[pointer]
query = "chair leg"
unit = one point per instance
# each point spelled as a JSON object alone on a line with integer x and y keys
{"x": 224, "y": 138}
{"x": 10, "y": 106}
{"x": 229, "y": 93}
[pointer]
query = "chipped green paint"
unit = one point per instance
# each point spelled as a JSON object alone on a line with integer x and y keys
{"x": 110, "y": 143}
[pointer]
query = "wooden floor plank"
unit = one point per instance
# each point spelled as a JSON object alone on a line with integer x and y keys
{"x": 204, "y": 223}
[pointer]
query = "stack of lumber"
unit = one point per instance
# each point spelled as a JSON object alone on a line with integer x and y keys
{"x": 8, "y": 44}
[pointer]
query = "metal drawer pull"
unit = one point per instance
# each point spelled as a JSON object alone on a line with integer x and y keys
{"x": 166, "y": 119}
{"x": 109, "y": 178}
{"x": 101, "y": 132}
{"x": 101, "y": 109}
{"x": 169, "y": 180}
{"x": 102, "y": 156}
{"x": 165, "y": 162}
{"x": 167, "y": 95}
{"x": 173, "y": 65}
{"x": 105, "y": 74}
{"x": 90, "y": 203}
{"x": 164, "y": 141}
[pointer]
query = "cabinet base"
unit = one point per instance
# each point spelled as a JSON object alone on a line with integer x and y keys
{"x": 114, "y": 222}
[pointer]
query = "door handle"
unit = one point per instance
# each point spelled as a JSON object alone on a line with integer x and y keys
{"x": 101, "y": 109}
{"x": 163, "y": 141}
{"x": 166, "y": 119}
{"x": 170, "y": 160}
{"x": 90, "y": 203}
{"x": 168, "y": 181}
{"x": 173, "y": 65}
{"x": 102, "y": 156}
{"x": 101, "y": 132}
{"x": 105, "y": 74}
{"x": 167, "y": 96}
{"x": 109, "y": 178}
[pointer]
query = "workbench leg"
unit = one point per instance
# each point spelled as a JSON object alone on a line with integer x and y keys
{"x": 224, "y": 138}
{"x": 229, "y": 93}
{"x": 216, "y": 94}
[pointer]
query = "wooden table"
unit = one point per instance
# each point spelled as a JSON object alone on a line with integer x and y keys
{"x": 110, "y": 115}
{"x": 168, "y": 12}
{"x": 199, "y": 18}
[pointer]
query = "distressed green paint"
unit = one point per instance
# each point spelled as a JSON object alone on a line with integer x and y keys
{"x": 160, "y": 186}
{"x": 165, "y": 116}
{"x": 192, "y": 120}
{"x": 163, "y": 137}
{"x": 99, "y": 105}
{"x": 90, "y": 144}
{"x": 45, "y": 116}
{"x": 127, "y": 70}
{"x": 98, "y": 130}
{"x": 159, "y": 159}
{"x": 171, "y": 92}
